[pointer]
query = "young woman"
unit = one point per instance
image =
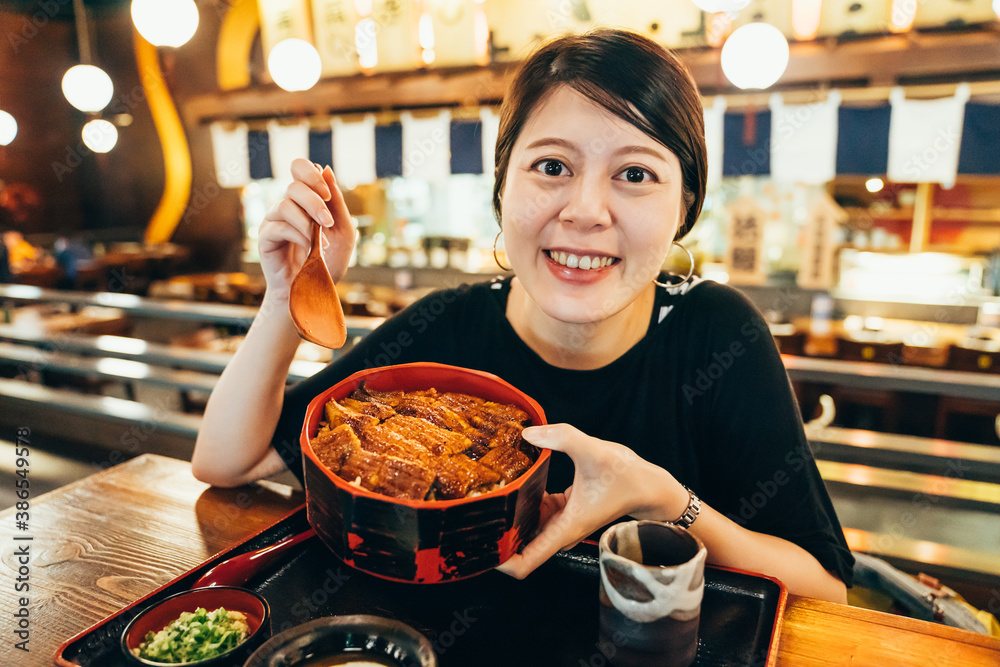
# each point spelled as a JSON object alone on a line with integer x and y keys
{"x": 666, "y": 400}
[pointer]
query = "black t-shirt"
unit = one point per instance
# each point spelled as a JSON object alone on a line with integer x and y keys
{"x": 704, "y": 395}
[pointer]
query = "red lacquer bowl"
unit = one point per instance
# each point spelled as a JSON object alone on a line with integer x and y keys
{"x": 415, "y": 540}
{"x": 158, "y": 615}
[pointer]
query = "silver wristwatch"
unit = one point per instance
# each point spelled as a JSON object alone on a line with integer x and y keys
{"x": 691, "y": 512}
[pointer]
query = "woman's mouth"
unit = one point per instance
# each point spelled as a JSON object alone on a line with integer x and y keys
{"x": 584, "y": 262}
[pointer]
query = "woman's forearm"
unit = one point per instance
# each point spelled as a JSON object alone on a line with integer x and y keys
{"x": 731, "y": 545}
{"x": 233, "y": 445}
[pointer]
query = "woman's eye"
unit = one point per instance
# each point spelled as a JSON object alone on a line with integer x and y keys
{"x": 551, "y": 167}
{"x": 638, "y": 175}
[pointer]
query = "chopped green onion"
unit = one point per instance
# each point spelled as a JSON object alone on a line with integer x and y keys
{"x": 194, "y": 636}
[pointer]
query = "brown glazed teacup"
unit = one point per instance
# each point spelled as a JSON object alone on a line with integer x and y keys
{"x": 652, "y": 580}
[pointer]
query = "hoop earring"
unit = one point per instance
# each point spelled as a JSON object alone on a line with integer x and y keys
{"x": 690, "y": 273}
{"x": 495, "y": 258}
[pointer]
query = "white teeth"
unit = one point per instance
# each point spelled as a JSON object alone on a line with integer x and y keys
{"x": 584, "y": 263}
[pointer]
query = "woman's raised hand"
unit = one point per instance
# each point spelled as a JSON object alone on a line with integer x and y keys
{"x": 610, "y": 481}
{"x": 287, "y": 229}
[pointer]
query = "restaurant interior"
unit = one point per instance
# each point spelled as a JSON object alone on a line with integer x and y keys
{"x": 854, "y": 197}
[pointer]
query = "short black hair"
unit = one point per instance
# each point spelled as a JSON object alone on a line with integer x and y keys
{"x": 631, "y": 76}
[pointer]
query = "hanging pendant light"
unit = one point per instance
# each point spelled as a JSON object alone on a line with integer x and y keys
{"x": 294, "y": 64}
{"x": 100, "y": 136}
{"x": 8, "y": 128}
{"x": 86, "y": 87}
{"x": 755, "y": 56}
{"x": 165, "y": 22}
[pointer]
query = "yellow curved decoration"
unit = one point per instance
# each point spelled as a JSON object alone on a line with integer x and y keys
{"x": 176, "y": 154}
{"x": 236, "y": 35}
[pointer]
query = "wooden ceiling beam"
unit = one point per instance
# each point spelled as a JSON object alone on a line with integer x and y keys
{"x": 883, "y": 61}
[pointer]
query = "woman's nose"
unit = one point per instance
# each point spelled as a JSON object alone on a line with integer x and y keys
{"x": 588, "y": 204}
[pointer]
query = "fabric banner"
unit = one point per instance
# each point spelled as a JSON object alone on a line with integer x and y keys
{"x": 388, "y": 150}
{"x": 746, "y": 144}
{"x": 287, "y": 142}
{"x": 321, "y": 147}
{"x": 231, "y": 152}
{"x": 258, "y": 146}
{"x": 924, "y": 138}
{"x": 863, "y": 140}
{"x": 354, "y": 151}
{"x": 466, "y": 147}
{"x": 714, "y": 118}
{"x": 804, "y": 140}
{"x": 980, "y": 140}
{"x": 426, "y": 145}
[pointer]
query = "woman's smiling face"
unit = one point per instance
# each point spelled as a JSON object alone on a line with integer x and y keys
{"x": 590, "y": 207}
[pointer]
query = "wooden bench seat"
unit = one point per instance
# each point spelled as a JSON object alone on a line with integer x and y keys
{"x": 111, "y": 423}
{"x": 932, "y": 456}
{"x": 135, "y": 349}
{"x": 952, "y": 492}
{"x": 123, "y": 370}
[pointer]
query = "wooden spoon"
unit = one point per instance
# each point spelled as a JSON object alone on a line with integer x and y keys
{"x": 313, "y": 302}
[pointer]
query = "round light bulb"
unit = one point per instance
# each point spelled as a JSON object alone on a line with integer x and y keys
{"x": 874, "y": 185}
{"x": 294, "y": 64}
{"x": 755, "y": 56}
{"x": 88, "y": 88}
{"x": 165, "y": 22}
{"x": 100, "y": 136}
{"x": 8, "y": 128}
{"x": 713, "y": 6}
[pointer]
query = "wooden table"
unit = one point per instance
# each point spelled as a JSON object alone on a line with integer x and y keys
{"x": 103, "y": 542}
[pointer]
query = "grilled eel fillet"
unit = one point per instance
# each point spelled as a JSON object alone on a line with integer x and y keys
{"x": 423, "y": 444}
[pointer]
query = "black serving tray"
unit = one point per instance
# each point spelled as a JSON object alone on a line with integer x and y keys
{"x": 547, "y": 620}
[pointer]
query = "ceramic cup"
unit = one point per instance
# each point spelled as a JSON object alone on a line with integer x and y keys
{"x": 652, "y": 580}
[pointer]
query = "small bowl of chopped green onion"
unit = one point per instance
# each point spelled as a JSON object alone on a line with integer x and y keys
{"x": 204, "y": 627}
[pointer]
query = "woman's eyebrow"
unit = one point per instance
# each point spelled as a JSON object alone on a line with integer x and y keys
{"x": 552, "y": 141}
{"x": 642, "y": 149}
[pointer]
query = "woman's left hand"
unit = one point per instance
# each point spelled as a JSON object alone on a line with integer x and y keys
{"x": 610, "y": 481}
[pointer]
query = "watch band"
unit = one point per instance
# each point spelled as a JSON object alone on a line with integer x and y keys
{"x": 691, "y": 512}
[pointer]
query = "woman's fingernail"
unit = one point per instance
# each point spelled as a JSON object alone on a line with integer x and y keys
{"x": 534, "y": 433}
{"x": 328, "y": 217}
